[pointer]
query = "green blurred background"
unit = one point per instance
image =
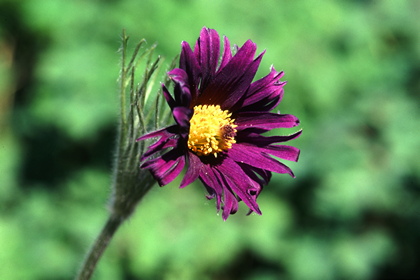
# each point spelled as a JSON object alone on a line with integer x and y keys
{"x": 353, "y": 212}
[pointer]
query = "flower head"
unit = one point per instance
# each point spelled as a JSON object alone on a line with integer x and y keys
{"x": 220, "y": 116}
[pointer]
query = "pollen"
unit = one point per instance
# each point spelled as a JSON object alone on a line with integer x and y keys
{"x": 211, "y": 130}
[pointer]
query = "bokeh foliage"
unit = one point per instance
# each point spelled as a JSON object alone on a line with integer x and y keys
{"x": 353, "y": 212}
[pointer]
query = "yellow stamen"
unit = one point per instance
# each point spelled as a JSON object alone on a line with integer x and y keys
{"x": 211, "y": 130}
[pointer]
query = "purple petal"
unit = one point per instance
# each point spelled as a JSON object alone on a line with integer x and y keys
{"x": 260, "y": 176}
{"x": 208, "y": 54}
{"x": 174, "y": 172}
{"x": 264, "y": 105}
{"x": 238, "y": 182}
{"x": 195, "y": 167}
{"x": 227, "y": 53}
{"x": 264, "y": 86}
{"x": 189, "y": 64}
{"x": 164, "y": 132}
{"x": 230, "y": 205}
{"x": 167, "y": 167}
{"x": 231, "y": 82}
{"x": 266, "y": 121}
{"x": 264, "y": 94}
{"x": 182, "y": 116}
{"x": 159, "y": 145}
{"x": 169, "y": 99}
{"x": 281, "y": 151}
{"x": 180, "y": 77}
{"x": 248, "y": 136}
{"x": 213, "y": 185}
{"x": 253, "y": 156}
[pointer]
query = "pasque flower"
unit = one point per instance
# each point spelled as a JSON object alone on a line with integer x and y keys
{"x": 220, "y": 116}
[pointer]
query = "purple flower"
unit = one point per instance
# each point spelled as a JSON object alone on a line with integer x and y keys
{"x": 220, "y": 115}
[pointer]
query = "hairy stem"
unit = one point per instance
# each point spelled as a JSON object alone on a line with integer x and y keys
{"x": 99, "y": 247}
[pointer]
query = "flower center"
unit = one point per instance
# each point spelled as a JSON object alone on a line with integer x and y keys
{"x": 211, "y": 130}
